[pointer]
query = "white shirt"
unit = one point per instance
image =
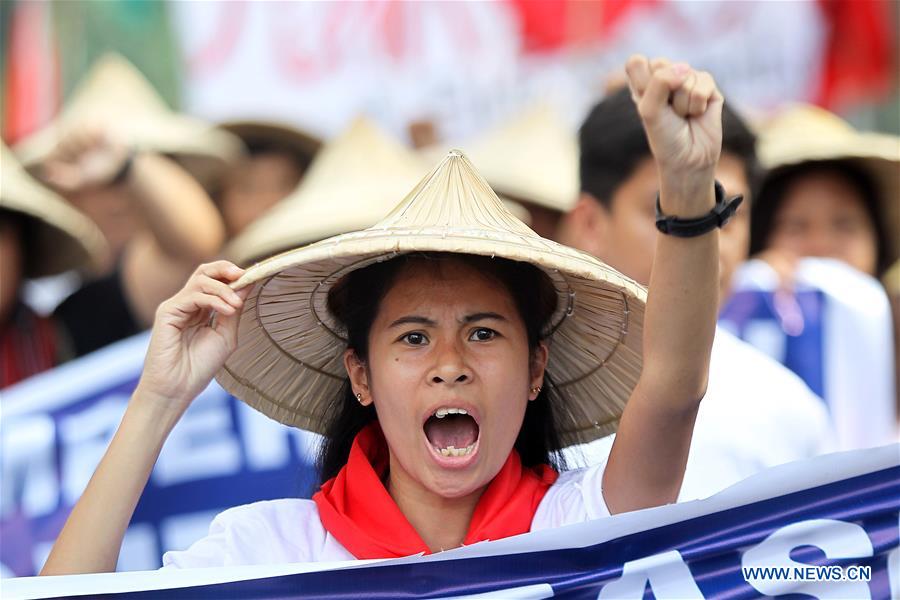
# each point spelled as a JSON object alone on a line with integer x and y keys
{"x": 756, "y": 414}
{"x": 290, "y": 531}
{"x": 857, "y": 345}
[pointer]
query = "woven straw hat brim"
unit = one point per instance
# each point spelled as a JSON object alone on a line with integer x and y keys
{"x": 806, "y": 134}
{"x": 63, "y": 238}
{"x": 289, "y": 361}
{"x": 299, "y": 142}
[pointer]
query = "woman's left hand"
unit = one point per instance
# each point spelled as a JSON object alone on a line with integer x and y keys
{"x": 681, "y": 110}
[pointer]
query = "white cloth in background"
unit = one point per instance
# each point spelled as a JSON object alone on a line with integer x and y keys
{"x": 756, "y": 414}
{"x": 290, "y": 531}
{"x": 45, "y": 294}
{"x": 858, "y": 352}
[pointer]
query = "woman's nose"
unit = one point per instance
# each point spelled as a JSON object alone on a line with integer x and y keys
{"x": 450, "y": 367}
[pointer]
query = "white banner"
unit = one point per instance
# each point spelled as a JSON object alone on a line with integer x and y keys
{"x": 463, "y": 65}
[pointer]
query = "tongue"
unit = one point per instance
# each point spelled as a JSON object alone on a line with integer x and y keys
{"x": 458, "y": 431}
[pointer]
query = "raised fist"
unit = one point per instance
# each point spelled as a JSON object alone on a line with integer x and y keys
{"x": 681, "y": 110}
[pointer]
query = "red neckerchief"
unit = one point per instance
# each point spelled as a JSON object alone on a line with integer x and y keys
{"x": 358, "y": 511}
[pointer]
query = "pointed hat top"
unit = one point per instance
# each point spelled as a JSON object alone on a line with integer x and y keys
{"x": 532, "y": 158}
{"x": 289, "y": 360}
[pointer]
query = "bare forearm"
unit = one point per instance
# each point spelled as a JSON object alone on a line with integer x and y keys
{"x": 182, "y": 217}
{"x": 681, "y": 111}
{"x": 92, "y": 536}
{"x": 679, "y": 325}
{"x": 681, "y": 305}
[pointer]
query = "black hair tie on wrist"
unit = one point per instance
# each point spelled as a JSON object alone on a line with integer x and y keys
{"x": 717, "y": 217}
{"x": 124, "y": 170}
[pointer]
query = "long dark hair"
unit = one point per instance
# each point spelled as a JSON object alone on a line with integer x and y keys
{"x": 355, "y": 301}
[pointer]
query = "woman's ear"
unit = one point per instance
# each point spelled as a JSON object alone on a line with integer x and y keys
{"x": 359, "y": 379}
{"x": 539, "y": 357}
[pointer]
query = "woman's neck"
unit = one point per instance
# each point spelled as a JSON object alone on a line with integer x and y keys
{"x": 441, "y": 522}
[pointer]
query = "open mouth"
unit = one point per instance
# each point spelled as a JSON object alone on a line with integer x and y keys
{"x": 452, "y": 432}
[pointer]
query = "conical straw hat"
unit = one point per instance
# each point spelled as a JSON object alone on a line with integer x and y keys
{"x": 531, "y": 158}
{"x": 63, "y": 238}
{"x": 288, "y": 363}
{"x": 116, "y": 98}
{"x": 352, "y": 184}
{"x": 296, "y": 141}
{"x": 805, "y": 133}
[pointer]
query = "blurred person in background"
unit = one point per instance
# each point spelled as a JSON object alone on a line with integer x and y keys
{"x": 40, "y": 235}
{"x": 833, "y": 193}
{"x": 830, "y": 192}
{"x": 122, "y": 158}
{"x": 891, "y": 282}
{"x": 278, "y": 156}
{"x": 756, "y": 413}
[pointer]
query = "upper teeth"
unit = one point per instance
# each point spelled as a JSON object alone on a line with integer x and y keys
{"x": 443, "y": 412}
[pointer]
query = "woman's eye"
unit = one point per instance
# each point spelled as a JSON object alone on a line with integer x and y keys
{"x": 415, "y": 339}
{"x": 482, "y": 334}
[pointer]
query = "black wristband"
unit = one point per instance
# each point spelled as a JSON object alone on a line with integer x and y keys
{"x": 121, "y": 175}
{"x": 717, "y": 217}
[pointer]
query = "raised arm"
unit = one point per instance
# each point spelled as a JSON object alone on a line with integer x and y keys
{"x": 183, "y": 226}
{"x": 183, "y": 356}
{"x": 681, "y": 111}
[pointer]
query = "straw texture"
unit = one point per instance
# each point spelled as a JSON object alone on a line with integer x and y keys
{"x": 288, "y": 363}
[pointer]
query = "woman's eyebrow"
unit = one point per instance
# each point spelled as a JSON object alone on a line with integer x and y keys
{"x": 483, "y": 315}
{"x": 413, "y": 319}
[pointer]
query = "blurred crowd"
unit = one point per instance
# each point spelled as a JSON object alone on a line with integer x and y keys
{"x": 106, "y": 211}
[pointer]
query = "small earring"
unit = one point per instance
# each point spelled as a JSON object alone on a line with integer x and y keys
{"x": 536, "y": 390}
{"x": 359, "y": 397}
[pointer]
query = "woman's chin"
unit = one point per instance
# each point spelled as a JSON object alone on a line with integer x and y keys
{"x": 454, "y": 486}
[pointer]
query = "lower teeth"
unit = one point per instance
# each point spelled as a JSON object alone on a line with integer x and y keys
{"x": 452, "y": 451}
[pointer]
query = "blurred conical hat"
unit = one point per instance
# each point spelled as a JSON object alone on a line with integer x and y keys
{"x": 805, "y": 133}
{"x": 289, "y": 359}
{"x": 531, "y": 158}
{"x": 63, "y": 238}
{"x": 353, "y": 182}
{"x": 262, "y": 131}
{"x": 116, "y": 98}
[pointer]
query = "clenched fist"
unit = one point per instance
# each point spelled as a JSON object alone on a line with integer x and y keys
{"x": 681, "y": 110}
